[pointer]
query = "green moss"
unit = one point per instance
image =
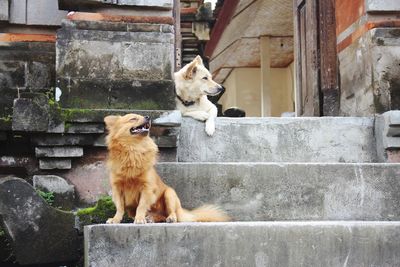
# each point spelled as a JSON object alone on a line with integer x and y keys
{"x": 47, "y": 196}
{"x": 103, "y": 210}
{"x": 71, "y": 114}
{"x": 6, "y": 119}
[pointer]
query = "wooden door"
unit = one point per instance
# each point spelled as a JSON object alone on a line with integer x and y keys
{"x": 317, "y": 91}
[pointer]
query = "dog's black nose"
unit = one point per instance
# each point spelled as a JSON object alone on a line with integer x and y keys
{"x": 221, "y": 89}
{"x": 146, "y": 118}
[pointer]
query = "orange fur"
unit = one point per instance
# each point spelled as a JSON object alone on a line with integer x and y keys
{"x": 136, "y": 186}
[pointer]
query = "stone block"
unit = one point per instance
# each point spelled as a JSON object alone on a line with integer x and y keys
{"x": 4, "y": 9}
{"x": 326, "y": 139}
{"x": 59, "y": 152}
{"x": 30, "y": 115}
{"x": 29, "y": 165}
{"x": 39, "y": 233}
{"x": 117, "y": 68}
{"x": 117, "y": 94}
{"x": 280, "y": 244}
{"x": 27, "y": 65}
{"x": 52, "y": 164}
{"x": 44, "y": 12}
{"x": 64, "y": 193}
{"x": 382, "y": 5}
{"x": 62, "y": 140}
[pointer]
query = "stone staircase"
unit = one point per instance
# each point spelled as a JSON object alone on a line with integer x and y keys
{"x": 301, "y": 192}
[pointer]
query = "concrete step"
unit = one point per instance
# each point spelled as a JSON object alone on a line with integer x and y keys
{"x": 326, "y": 139}
{"x": 278, "y": 244}
{"x": 290, "y": 191}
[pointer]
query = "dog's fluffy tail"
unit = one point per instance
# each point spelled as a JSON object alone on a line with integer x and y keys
{"x": 206, "y": 213}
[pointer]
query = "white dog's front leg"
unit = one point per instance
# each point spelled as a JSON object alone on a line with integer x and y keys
{"x": 198, "y": 115}
{"x": 210, "y": 122}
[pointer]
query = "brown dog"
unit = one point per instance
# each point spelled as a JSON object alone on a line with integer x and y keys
{"x": 136, "y": 186}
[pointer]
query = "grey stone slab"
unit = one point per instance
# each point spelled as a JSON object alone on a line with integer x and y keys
{"x": 4, "y": 9}
{"x": 382, "y": 5}
{"x": 115, "y": 55}
{"x": 326, "y": 139}
{"x": 54, "y": 164}
{"x": 44, "y": 12}
{"x": 18, "y": 11}
{"x": 279, "y": 244}
{"x": 29, "y": 164}
{"x": 58, "y": 152}
{"x": 64, "y": 193}
{"x": 85, "y": 128}
{"x": 289, "y": 191}
{"x": 30, "y": 115}
{"x": 39, "y": 233}
{"x": 62, "y": 140}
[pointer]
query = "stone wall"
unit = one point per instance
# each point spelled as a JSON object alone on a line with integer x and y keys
{"x": 115, "y": 65}
{"x": 368, "y": 50}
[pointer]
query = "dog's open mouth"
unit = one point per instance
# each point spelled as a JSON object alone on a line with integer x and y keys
{"x": 141, "y": 129}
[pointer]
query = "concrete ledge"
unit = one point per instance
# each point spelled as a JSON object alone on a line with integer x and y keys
{"x": 244, "y": 244}
{"x": 289, "y": 191}
{"x": 327, "y": 139}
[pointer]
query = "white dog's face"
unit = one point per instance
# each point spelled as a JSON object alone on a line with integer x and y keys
{"x": 194, "y": 80}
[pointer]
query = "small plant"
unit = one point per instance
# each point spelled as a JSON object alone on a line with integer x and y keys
{"x": 47, "y": 196}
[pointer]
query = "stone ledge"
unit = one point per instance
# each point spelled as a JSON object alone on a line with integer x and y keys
{"x": 325, "y": 139}
{"x": 59, "y": 152}
{"x": 289, "y": 244}
{"x": 79, "y": 4}
{"x": 289, "y": 191}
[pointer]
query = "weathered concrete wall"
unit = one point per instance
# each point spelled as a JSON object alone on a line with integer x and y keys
{"x": 370, "y": 73}
{"x": 325, "y": 139}
{"x": 115, "y": 65}
{"x": 27, "y": 66}
{"x": 279, "y": 244}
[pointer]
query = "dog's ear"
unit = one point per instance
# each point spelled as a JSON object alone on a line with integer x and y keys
{"x": 110, "y": 121}
{"x": 198, "y": 60}
{"x": 191, "y": 70}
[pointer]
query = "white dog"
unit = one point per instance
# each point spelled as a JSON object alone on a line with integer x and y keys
{"x": 193, "y": 83}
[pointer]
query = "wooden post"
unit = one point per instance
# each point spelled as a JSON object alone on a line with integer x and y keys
{"x": 329, "y": 69}
{"x": 266, "y": 103}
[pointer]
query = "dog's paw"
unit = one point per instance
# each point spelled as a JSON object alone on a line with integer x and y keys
{"x": 210, "y": 128}
{"x": 200, "y": 115}
{"x": 149, "y": 219}
{"x": 171, "y": 218}
{"x": 140, "y": 220}
{"x": 112, "y": 221}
